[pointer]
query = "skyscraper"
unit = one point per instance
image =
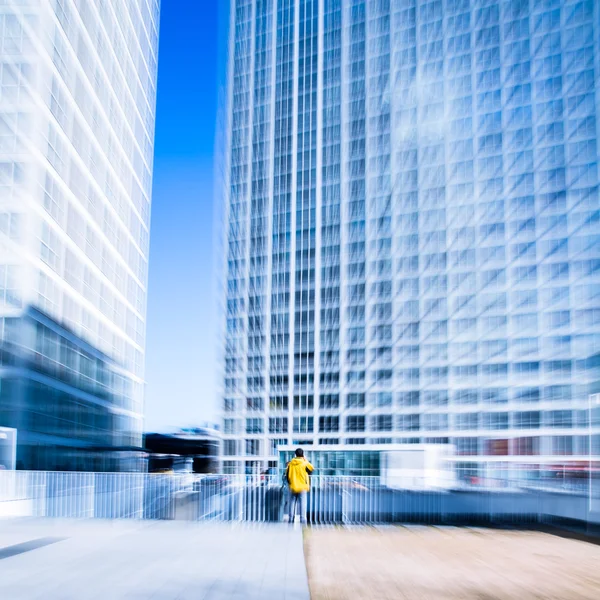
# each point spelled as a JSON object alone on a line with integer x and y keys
{"x": 77, "y": 109}
{"x": 413, "y": 250}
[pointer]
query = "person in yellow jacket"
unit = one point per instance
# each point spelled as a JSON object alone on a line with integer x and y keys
{"x": 297, "y": 477}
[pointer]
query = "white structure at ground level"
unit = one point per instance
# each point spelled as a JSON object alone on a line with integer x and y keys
{"x": 412, "y": 228}
{"x": 404, "y": 466}
{"x": 77, "y": 110}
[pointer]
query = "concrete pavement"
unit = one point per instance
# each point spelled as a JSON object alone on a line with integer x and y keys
{"x": 150, "y": 560}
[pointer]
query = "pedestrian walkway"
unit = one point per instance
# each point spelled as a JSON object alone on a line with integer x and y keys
{"x": 156, "y": 560}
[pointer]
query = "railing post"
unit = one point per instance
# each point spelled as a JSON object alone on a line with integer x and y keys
{"x": 344, "y": 506}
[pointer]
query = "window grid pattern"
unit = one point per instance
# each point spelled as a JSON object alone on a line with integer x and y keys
{"x": 458, "y": 286}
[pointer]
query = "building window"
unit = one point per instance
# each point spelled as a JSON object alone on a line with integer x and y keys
{"x": 466, "y": 421}
{"x": 494, "y": 396}
{"x": 252, "y": 447}
{"x": 466, "y": 446}
{"x": 435, "y": 421}
{"x": 557, "y": 393}
{"x": 229, "y": 467}
{"x": 275, "y": 443}
{"x": 382, "y": 399}
{"x": 355, "y": 401}
{"x": 229, "y": 426}
{"x": 329, "y": 401}
{"x": 355, "y": 441}
{"x": 558, "y": 419}
{"x": 278, "y": 425}
{"x": 381, "y": 423}
{"x": 408, "y": 399}
{"x": 355, "y": 423}
{"x": 278, "y": 403}
{"x": 527, "y": 394}
{"x": 465, "y": 397}
{"x": 562, "y": 445}
{"x": 254, "y": 425}
{"x": 230, "y": 448}
{"x": 303, "y": 424}
{"x": 435, "y": 398}
{"x": 527, "y": 420}
{"x": 254, "y": 404}
{"x": 408, "y": 422}
{"x": 494, "y": 420}
{"x": 527, "y": 446}
{"x": 304, "y": 402}
{"x": 327, "y": 424}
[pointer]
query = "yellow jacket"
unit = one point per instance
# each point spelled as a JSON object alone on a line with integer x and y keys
{"x": 297, "y": 475}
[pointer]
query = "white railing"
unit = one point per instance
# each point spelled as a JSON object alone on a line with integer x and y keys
{"x": 264, "y": 498}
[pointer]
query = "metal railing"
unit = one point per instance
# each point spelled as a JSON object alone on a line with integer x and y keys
{"x": 259, "y": 498}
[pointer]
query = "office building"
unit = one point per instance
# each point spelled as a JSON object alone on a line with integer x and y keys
{"x": 412, "y": 231}
{"x": 77, "y": 109}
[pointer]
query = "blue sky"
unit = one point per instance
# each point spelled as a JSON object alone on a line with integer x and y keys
{"x": 180, "y": 349}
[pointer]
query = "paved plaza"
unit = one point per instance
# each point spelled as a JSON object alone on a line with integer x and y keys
{"x": 449, "y": 563}
{"x": 142, "y": 560}
{"x": 46, "y": 559}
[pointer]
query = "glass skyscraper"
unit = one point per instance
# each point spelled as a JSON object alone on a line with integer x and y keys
{"x": 77, "y": 109}
{"x": 413, "y": 227}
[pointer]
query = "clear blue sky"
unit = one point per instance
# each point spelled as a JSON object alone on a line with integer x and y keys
{"x": 180, "y": 350}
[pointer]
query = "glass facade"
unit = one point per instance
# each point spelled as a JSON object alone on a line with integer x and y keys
{"x": 355, "y": 463}
{"x": 413, "y": 240}
{"x": 77, "y": 109}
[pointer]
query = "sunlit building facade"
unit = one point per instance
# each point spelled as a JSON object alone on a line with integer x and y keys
{"x": 413, "y": 227}
{"x": 77, "y": 110}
